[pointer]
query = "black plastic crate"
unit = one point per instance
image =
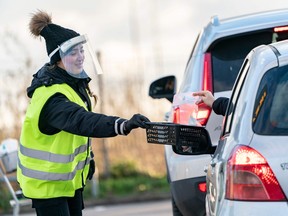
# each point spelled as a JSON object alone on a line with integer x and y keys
{"x": 174, "y": 134}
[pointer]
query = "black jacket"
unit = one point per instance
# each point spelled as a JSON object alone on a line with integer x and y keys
{"x": 61, "y": 114}
{"x": 220, "y": 105}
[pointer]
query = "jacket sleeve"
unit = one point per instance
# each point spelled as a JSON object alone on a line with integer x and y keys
{"x": 220, "y": 105}
{"x": 61, "y": 114}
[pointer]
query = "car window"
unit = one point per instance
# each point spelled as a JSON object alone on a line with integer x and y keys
{"x": 270, "y": 116}
{"x": 229, "y": 53}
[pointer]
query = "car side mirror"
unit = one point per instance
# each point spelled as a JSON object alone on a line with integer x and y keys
{"x": 185, "y": 139}
{"x": 163, "y": 88}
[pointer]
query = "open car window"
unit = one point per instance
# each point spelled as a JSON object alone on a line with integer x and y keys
{"x": 270, "y": 116}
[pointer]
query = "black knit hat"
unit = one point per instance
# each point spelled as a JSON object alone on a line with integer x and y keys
{"x": 53, "y": 34}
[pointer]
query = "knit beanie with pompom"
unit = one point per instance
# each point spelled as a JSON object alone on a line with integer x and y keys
{"x": 54, "y": 35}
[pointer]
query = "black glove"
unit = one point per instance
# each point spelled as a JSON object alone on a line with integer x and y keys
{"x": 136, "y": 121}
{"x": 91, "y": 169}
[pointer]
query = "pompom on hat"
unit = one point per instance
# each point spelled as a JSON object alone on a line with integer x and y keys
{"x": 54, "y": 35}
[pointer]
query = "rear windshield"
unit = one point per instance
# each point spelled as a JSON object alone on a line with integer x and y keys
{"x": 270, "y": 116}
{"x": 228, "y": 55}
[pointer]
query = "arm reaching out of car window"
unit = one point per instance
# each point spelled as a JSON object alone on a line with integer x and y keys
{"x": 219, "y": 105}
{"x": 205, "y": 97}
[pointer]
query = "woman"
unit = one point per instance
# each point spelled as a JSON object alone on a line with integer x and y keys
{"x": 55, "y": 156}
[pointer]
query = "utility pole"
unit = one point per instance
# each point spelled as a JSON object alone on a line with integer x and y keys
{"x": 103, "y": 141}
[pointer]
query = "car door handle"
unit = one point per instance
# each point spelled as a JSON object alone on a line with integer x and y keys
{"x": 213, "y": 162}
{"x": 206, "y": 168}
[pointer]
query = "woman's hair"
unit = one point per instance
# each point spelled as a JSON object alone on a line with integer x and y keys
{"x": 91, "y": 94}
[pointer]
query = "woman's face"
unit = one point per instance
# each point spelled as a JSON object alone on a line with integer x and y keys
{"x": 74, "y": 59}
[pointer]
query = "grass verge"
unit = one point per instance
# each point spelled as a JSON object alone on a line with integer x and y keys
{"x": 127, "y": 186}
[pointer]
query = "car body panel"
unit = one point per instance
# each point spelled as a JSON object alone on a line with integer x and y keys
{"x": 176, "y": 168}
{"x": 253, "y": 208}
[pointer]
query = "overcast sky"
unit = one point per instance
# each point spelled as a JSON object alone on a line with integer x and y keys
{"x": 156, "y": 34}
{"x": 165, "y": 28}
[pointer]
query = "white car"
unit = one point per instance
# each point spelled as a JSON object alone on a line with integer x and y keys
{"x": 249, "y": 170}
{"x": 213, "y": 65}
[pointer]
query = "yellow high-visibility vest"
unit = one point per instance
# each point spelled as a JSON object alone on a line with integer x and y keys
{"x": 56, "y": 165}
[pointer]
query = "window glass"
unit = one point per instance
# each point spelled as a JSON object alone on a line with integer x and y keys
{"x": 270, "y": 115}
{"x": 228, "y": 55}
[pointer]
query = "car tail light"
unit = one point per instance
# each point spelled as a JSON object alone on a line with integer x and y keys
{"x": 182, "y": 116}
{"x": 207, "y": 73}
{"x": 249, "y": 177}
{"x": 176, "y": 115}
{"x": 203, "y": 114}
{"x": 281, "y": 29}
{"x": 204, "y": 111}
{"x": 202, "y": 187}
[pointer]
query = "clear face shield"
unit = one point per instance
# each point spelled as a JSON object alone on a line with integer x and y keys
{"x": 79, "y": 59}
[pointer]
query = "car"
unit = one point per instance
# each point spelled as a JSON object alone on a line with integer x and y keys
{"x": 214, "y": 63}
{"x": 249, "y": 169}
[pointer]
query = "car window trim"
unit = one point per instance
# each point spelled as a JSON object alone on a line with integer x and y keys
{"x": 235, "y": 96}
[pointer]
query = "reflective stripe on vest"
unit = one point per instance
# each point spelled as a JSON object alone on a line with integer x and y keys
{"x": 52, "y": 176}
{"x": 58, "y": 158}
{"x": 48, "y": 156}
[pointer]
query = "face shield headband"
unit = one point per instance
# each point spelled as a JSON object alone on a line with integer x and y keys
{"x": 78, "y": 57}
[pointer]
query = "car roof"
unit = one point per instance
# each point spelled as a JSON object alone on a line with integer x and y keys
{"x": 282, "y": 48}
{"x": 219, "y": 28}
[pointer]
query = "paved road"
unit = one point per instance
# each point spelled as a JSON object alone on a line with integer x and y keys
{"x": 151, "y": 208}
